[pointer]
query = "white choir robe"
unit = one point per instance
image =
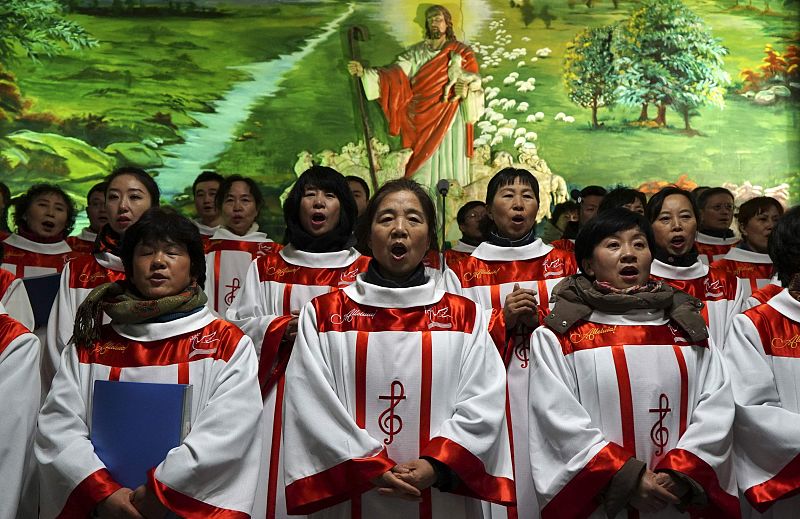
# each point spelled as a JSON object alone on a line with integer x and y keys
{"x": 763, "y": 360}
{"x": 621, "y": 386}
{"x": 722, "y": 293}
{"x": 205, "y": 230}
{"x": 227, "y": 259}
{"x": 79, "y": 277}
{"x": 213, "y": 472}
{"x": 459, "y": 251}
{"x": 83, "y": 242}
{"x": 763, "y": 294}
{"x": 276, "y": 285}
{"x": 710, "y": 248}
{"x": 19, "y": 405}
{"x": 382, "y": 376}
{"x": 487, "y": 277}
{"x": 14, "y": 298}
{"x": 29, "y": 259}
{"x": 754, "y": 267}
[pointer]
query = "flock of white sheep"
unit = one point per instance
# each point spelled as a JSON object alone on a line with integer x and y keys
{"x": 497, "y": 124}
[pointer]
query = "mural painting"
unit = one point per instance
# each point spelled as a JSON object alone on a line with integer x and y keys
{"x": 644, "y": 93}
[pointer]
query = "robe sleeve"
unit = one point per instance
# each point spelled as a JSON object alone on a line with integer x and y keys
{"x": 738, "y": 305}
{"x": 474, "y": 441}
{"x": 473, "y": 103}
{"x": 59, "y": 327}
{"x": 18, "y": 305}
{"x": 571, "y": 461}
{"x": 19, "y": 405}
{"x": 213, "y": 473}
{"x": 254, "y": 311}
{"x": 767, "y": 445}
{"x": 72, "y": 478}
{"x": 704, "y": 451}
{"x": 328, "y": 457}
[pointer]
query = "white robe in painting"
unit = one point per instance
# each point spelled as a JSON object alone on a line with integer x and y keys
{"x": 19, "y": 405}
{"x": 14, "y": 298}
{"x": 763, "y": 357}
{"x": 228, "y": 257}
{"x": 278, "y": 284}
{"x": 450, "y": 160}
{"x": 79, "y": 277}
{"x": 381, "y": 376}
{"x": 722, "y": 293}
{"x": 710, "y": 248}
{"x": 487, "y": 277}
{"x": 213, "y": 472}
{"x": 754, "y": 267}
{"x": 621, "y": 386}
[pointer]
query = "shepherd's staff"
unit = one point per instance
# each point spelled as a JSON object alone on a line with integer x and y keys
{"x": 354, "y": 34}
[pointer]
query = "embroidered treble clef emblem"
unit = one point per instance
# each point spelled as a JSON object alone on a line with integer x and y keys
{"x": 389, "y": 422}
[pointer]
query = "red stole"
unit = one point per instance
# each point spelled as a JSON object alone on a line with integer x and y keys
{"x": 414, "y": 107}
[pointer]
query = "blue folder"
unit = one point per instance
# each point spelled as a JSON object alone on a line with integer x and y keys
{"x": 42, "y": 291}
{"x": 135, "y": 425}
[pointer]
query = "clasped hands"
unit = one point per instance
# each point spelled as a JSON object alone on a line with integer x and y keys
{"x": 520, "y": 308}
{"x": 132, "y": 504}
{"x": 658, "y": 490}
{"x": 406, "y": 480}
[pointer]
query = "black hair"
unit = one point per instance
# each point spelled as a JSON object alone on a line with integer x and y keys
{"x": 100, "y": 187}
{"x": 606, "y": 224}
{"x": 461, "y": 215}
{"x": 23, "y": 202}
{"x": 140, "y": 175}
{"x": 579, "y": 194}
{"x": 207, "y": 176}
{"x": 703, "y": 196}
{"x": 508, "y": 176}
{"x": 620, "y": 196}
{"x": 330, "y": 181}
{"x": 784, "y": 245}
{"x": 754, "y": 207}
{"x": 563, "y": 207}
{"x": 225, "y": 188}
{"x": 6, "y": 194}
{"x": 165, "y": 225}
{"x": 393, "y": 186}
{"x": 653, "y": 207}
{"x": 354, "y": 178}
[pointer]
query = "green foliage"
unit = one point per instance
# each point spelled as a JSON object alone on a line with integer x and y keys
{"x": 589, "y": 73}
{"x": 39, "y": 28}
{"x": 666, "y": 56}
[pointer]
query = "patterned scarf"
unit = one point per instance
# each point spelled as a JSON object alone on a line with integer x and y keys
{"x": 108, "y": 240}
{"x": 127, "y": 307}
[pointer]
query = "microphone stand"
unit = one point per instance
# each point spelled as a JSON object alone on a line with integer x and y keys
{"x": 443, "y": 187}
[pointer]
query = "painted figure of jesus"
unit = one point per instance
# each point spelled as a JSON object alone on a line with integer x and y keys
{"x": 437, "y": 126}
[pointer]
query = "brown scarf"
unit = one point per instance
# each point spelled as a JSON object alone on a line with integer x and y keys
{"x": 576, "y": 297}
{"x": 127, "y": 307}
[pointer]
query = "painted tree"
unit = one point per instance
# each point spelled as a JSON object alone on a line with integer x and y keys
{"x": 589, "y": 73}
{"x": 38, "y": 28}
{"x": 667, "y": 56}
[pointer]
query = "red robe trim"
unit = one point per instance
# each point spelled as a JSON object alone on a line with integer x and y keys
{"x": 414, "y": 107}
{"x": 785, "y": 484}
{"x": 84, "y": 498}
{"x": 186, "y": 506}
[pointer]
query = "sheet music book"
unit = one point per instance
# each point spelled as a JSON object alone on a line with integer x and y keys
{"x": 135, "y": 424}
{"x": 42, "y": 291}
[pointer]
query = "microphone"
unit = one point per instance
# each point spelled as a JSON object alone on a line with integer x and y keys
{"x": 443, "y": 186}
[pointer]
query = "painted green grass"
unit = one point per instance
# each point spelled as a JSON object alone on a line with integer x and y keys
{"x": 741, "y": 142}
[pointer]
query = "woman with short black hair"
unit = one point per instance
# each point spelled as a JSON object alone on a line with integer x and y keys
{"x": 630, "y": 404}
{"x": 320, "y": 214}
{"x": 44, "y": 216}
{"x": 673, "y": 216}
{"x": 237, "y": 241}
{"x": 716, "y": 209}
{"x": 158, "y": 322}
{"x": 512, "y": 273}
{"x": 765, "y": 376}
{"x": 749, "y": 260}
{"x": 394, "y": 389}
